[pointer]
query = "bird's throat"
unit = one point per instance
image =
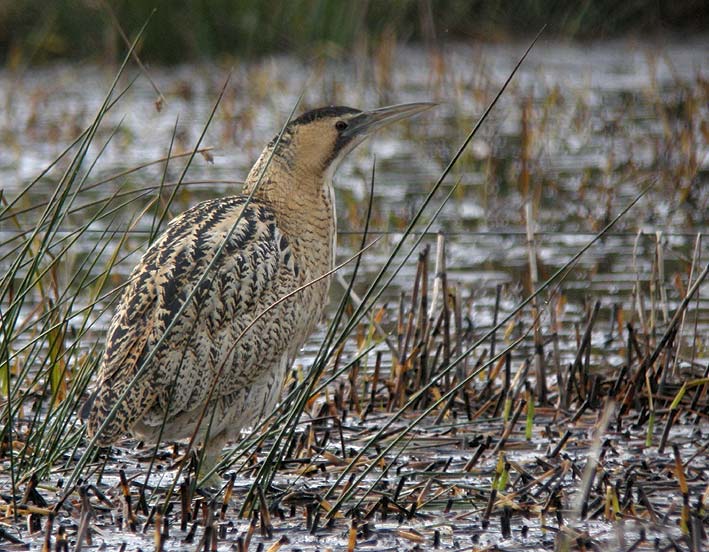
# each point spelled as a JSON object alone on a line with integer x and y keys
{"x": 303, "y": 202}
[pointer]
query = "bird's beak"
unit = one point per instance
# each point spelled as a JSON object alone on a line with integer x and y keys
{"x": 368, "y": 122}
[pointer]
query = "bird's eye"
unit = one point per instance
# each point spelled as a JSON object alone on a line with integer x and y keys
{"x": 340, "y": 125}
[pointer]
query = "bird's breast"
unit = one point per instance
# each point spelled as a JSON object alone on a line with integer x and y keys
{"x": 314, "y": 256}
{"x": 313, "y": 235}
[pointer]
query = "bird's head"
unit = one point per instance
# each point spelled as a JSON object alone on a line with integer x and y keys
{"x": 317, "y": 141}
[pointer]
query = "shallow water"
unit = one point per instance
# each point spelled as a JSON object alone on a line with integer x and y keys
{"x": 593, "y": 124}
{"x": 602, "y": 120}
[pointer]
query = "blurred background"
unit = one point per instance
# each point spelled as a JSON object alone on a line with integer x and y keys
{"x": 35, "y": 31}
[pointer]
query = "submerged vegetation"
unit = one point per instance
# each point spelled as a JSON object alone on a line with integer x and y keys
{"x": 535, "y": 374}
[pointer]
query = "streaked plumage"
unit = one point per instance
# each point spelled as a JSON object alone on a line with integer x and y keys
{"x": 284, "y": 239}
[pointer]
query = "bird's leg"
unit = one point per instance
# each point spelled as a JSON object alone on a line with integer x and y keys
{"x": 210, "y": 457}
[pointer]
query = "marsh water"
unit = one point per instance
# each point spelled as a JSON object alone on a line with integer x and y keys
{"x": 580, "y": 132}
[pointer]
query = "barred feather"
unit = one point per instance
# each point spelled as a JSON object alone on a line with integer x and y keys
{"x": 285, "y": 237}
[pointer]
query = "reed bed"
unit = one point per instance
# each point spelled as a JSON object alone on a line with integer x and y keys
{"x": 192, "y": 30}
{"x": 381, "y": 460}
{"x": 439, "y": 420}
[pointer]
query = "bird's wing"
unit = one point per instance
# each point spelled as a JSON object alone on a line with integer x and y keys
{"x": 253, "y": 257}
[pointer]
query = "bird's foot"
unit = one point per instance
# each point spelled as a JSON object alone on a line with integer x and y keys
{"x": 207, "y": 476}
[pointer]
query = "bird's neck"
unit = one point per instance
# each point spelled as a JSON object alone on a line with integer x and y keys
{"x": 304, "y": 205}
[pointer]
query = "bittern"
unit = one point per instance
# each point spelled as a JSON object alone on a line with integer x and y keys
{"x": 233, "y": 342}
